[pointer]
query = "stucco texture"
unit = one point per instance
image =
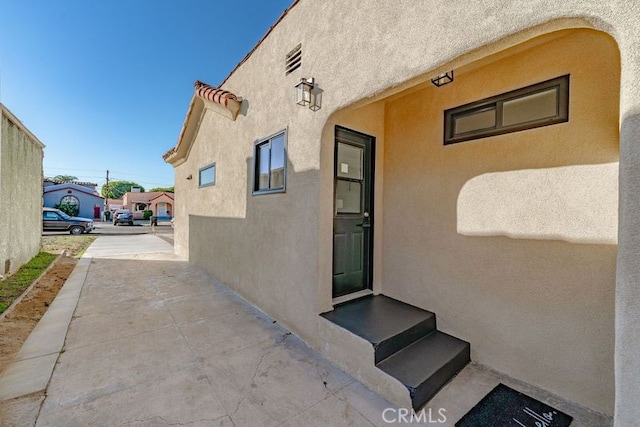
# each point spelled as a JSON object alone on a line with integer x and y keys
{"x": 20, "y": 194}
{"x": 445, "y": 202}
{"x": 511, "y": 239}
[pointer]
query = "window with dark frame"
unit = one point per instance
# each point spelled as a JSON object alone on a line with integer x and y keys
{"x": 542, "y": 104}
{"x": 207, "y": 175}
{"x": 270, "y": 164}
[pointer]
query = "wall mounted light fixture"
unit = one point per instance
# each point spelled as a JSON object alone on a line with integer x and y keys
{"x": 308, "y": 94}
{"x": 190, "y": 176}
{"x": 443, "y": 79}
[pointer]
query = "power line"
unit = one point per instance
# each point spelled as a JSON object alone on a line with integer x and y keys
{"x": 134, "y": 175}
{"x": 99, "y": 171}
{"x": 73, "y": 169}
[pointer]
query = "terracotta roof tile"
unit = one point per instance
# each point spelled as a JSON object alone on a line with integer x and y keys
{"x": 164, "y": 193}
{"x": 84, "y": 184}
{"x": 75, "y": 187}
{"x": 166, "y": 155}
{"x": 213, "y": 94}
{"x": 141, "y": 196}
{"x": 206, "y": 92}
{"x": 218, "y": 95}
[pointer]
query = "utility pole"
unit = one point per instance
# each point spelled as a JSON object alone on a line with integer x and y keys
{"x": 106, "y": 198}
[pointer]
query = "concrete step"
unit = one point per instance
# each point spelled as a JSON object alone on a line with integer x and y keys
{"x": 425, "y": 366}
{"x": 389, "y": 325}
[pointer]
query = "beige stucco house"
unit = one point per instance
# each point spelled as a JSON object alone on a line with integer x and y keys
{"x": 159, "y": 202}
{"x": 21, "y": 178}
{"x": 480, "y": 160}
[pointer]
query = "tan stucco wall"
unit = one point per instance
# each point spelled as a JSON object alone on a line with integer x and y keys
{"x": 276, "y": 250}
{"x": 247, "y": 228}
{"x": 511, "y": 239}
{"x": 20, "y": 194}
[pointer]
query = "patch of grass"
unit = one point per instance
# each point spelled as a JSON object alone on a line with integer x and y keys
{"x": 74, "y": 245}
{"x": 13, "y": 286}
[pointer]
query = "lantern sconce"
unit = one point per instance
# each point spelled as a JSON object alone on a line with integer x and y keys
{"x": 190, "y": 177}
{"x": 443, "y": 79}
{"x": 308, "y": 94}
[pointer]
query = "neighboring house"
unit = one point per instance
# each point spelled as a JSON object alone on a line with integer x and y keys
{"x": 159, "y": 202}
{"x": 162, "y": 205}
{"x": 114, "y": 204}
{"x": 21, "y": 156}
{"x": 505, "y": 201}
{"x": 82, "y": 194}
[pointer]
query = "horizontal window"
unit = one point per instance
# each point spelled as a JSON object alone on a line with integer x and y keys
{"x": 541, "y": 104}
{"x": 207, "y": 175}
{"x": 270, "y": 164}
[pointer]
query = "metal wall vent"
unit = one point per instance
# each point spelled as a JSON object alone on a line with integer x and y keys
{"x": 293, "y": 60}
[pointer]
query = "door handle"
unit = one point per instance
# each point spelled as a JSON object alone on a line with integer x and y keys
{"x": 366, "y": 223}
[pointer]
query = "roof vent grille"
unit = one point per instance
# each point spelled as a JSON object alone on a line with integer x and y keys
{"x": 293, "y": 60}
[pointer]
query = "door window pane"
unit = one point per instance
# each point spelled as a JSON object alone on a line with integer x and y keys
{"x": 538, "y": 106}
{"x": 349, "y": 161}
{"x": 348, "y": 197}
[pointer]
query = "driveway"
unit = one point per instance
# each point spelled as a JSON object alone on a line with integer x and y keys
{"x": 138, "y": 337}
{"x": 154, "y": 341}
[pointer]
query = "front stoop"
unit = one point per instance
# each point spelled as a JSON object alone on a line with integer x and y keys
{"x": 406, "y": 343}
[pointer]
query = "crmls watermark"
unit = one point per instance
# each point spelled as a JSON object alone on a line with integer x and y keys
{"x": 410, "y": 416}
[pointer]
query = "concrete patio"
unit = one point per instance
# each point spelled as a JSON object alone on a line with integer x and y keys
{"x": 153, "y": 341}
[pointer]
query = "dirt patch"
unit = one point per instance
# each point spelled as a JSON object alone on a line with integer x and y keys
{"x": 17, "y": 324}
{"x": 72, "y": 245}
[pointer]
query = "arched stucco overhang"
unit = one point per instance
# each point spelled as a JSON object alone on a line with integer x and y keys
{"x": 375, "y": 113}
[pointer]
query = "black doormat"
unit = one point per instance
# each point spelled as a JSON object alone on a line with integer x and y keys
{"x": 506, "y": 407}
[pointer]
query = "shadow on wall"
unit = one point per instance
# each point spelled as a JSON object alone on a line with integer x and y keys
{"x": 628, "y": 292}
{"x": 577, "y": 204}
{"x": 251, "y": 254}
{"x": 630, "y": 167}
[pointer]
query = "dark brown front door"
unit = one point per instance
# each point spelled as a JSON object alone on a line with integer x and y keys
{"x": 353, "y": 212}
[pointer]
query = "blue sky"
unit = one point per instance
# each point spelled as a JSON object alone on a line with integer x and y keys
{"x": 106, "y": 84}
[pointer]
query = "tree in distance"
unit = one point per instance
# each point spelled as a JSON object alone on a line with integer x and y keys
{"x": 165, "y": 189}
{"x": 116, "y": 189}
{"x": 65, "y": 178}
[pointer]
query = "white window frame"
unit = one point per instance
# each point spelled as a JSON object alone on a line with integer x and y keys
{"x": 203, "y": 169}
